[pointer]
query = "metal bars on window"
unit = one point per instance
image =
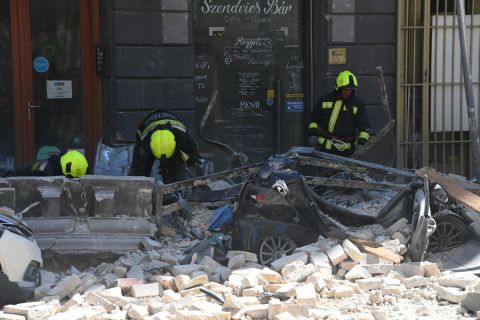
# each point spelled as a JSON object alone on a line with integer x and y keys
{"x": 432, "y": 122}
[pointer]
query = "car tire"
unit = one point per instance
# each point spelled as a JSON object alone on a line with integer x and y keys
{"x": 452, "y": 231}
{"x": 270, "y": 249}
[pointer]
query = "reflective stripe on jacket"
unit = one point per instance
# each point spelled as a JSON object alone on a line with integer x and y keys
{"x": 342, "y": 119}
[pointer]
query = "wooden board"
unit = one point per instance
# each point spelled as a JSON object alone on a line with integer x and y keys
{"x": 454, "y": 190}
{"x": 367, "y": 246}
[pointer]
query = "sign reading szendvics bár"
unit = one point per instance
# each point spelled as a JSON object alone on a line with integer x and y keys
{"x": 237, "y": 14}
{"x": 268, "y": 7}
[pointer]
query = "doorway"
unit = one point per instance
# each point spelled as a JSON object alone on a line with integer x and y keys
{"x": 49, "y": 91}
{"x": 253, "y": 56}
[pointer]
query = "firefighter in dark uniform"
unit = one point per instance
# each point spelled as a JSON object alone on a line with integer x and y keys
{"x": 162, "y": 135}
{"x": 71, "y": 164}
{"x": 339, "y": 119}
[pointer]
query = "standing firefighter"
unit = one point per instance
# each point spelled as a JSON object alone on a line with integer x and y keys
{"x": 71, "y": 164}
{"x": 162, "y": 135}
{"x": 339, "y": 118}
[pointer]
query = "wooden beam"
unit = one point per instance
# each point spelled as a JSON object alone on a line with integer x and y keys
{"x": 454, "y": 190}
{"x": 367, "y": 246}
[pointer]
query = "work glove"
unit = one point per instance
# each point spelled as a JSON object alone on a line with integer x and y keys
{"x": 193, "y": 160}
{"x": 313, "y": 141}
{"x": 362, "y": 141}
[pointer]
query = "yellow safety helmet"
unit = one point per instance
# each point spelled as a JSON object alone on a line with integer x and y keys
{"x": 74, "y": 164}
{"x": 346, "y": 79}
{"x": 162, "y": 143}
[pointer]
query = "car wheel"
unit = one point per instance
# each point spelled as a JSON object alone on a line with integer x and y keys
{"x": 273, "y": 248}
{"x": 451, "y": 232}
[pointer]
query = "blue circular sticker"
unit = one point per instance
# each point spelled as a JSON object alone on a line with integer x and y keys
{"x": 40, "y": 64}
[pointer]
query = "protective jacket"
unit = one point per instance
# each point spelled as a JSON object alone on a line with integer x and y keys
{"x": 338, "y": 123}
{"x": 186, "y": 150}
{"x": 48, "y": 167}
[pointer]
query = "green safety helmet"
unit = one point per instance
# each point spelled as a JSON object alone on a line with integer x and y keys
{"x": 162, "y": 143}
{"x": 74, "y": 164}
{"x": 346, "y": 79}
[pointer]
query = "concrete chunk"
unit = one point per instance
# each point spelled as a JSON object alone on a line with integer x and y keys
{"x": 348, "y": 264}
{"x": 397, "y": 226}
{"x": 248, "y": 256}
{"x": 306, "y": 294}
{"x": 126, "y": 283}
{"x": 76, "y": 300}
{"x": 284, "y": 316}
{"x": 336, "y": 254}
{"x": 292, "y": 267}
{"x": 252, "y": 292}
{"x": 357, "y": 272}
{"x": 137, "y": 312}
{"x": 300, "y": 274}
{"x": 171, "y": 296}
{"x": 308, "y": 249}
{"x": 259, "y": 311}
{"x": 278, "y": 264}
{"x": 236, "y": 261}
{"x": 450, "y": 294}
{"x": 410, "y": 269}
{"x": 135, "y": 271}
{"x": 370, "y": 283}
{"x": 400, "y": 237}
{"x": 150, "y": 244}
{"x": 270, "y": 275}
{"x": 209, "y": 265}
{"x": 352, "y": 251}
{"x": 146, "y": 290}
{"x": 95, "y": 299}
{"x": 379, "y": 268}
{"x": 320, "y": 259}
{"x": 471, "y": 302}
{"x": 186, "y": 269}
{"x": 6, "y": 316}
{"x": 341, "y": 291}
{"x": 460, "y": 280}
{"x": 415, "y": 282}
{"x": 188, "y": 282}
{"x": 66, "y": 286}
{"x": 431, "y": 269}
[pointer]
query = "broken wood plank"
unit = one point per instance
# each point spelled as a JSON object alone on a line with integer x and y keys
{"x": 368, "y": 246}
{"x": 454, "y": 190}
{"x": 374, "y": 140}
{"x": 379, "y": 252}
{"x": 355, "y": 184}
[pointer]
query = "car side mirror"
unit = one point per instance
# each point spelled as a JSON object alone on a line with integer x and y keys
{"x": 439, "y": 194}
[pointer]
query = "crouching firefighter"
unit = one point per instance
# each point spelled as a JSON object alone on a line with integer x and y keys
{"x": 339, "y": 120}
{"x": 71, "y": 164}
{"x": 162, "y": 135}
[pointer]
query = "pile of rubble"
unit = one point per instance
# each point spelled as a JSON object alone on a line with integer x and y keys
{"x": 328, "y": 279}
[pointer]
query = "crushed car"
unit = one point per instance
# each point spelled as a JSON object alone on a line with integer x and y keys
{"x": 280, "y": 209}
{"x": 295, "y": 197}
{"x": 20, "y": 261}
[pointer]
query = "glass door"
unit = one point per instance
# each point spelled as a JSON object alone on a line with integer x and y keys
{"x": 49, "y": 91}
{"x": 7, "y": 145}
{"x": 57, "y": 103}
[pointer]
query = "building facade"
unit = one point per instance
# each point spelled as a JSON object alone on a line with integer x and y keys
{"x": 77, "y": 72}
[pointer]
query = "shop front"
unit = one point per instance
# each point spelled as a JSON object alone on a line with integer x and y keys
{"x": 49, "y": 91}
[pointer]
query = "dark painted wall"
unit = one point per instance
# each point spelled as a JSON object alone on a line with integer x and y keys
{"x": 150, "y": 63}
{"x": 150, "y": 57}
{"x": 367, "y": 29}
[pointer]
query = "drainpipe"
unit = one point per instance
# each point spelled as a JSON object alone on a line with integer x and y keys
{"x": 467, "y": 78}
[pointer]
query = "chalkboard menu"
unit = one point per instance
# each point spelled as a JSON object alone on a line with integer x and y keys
{"x": 242, "y": 52}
